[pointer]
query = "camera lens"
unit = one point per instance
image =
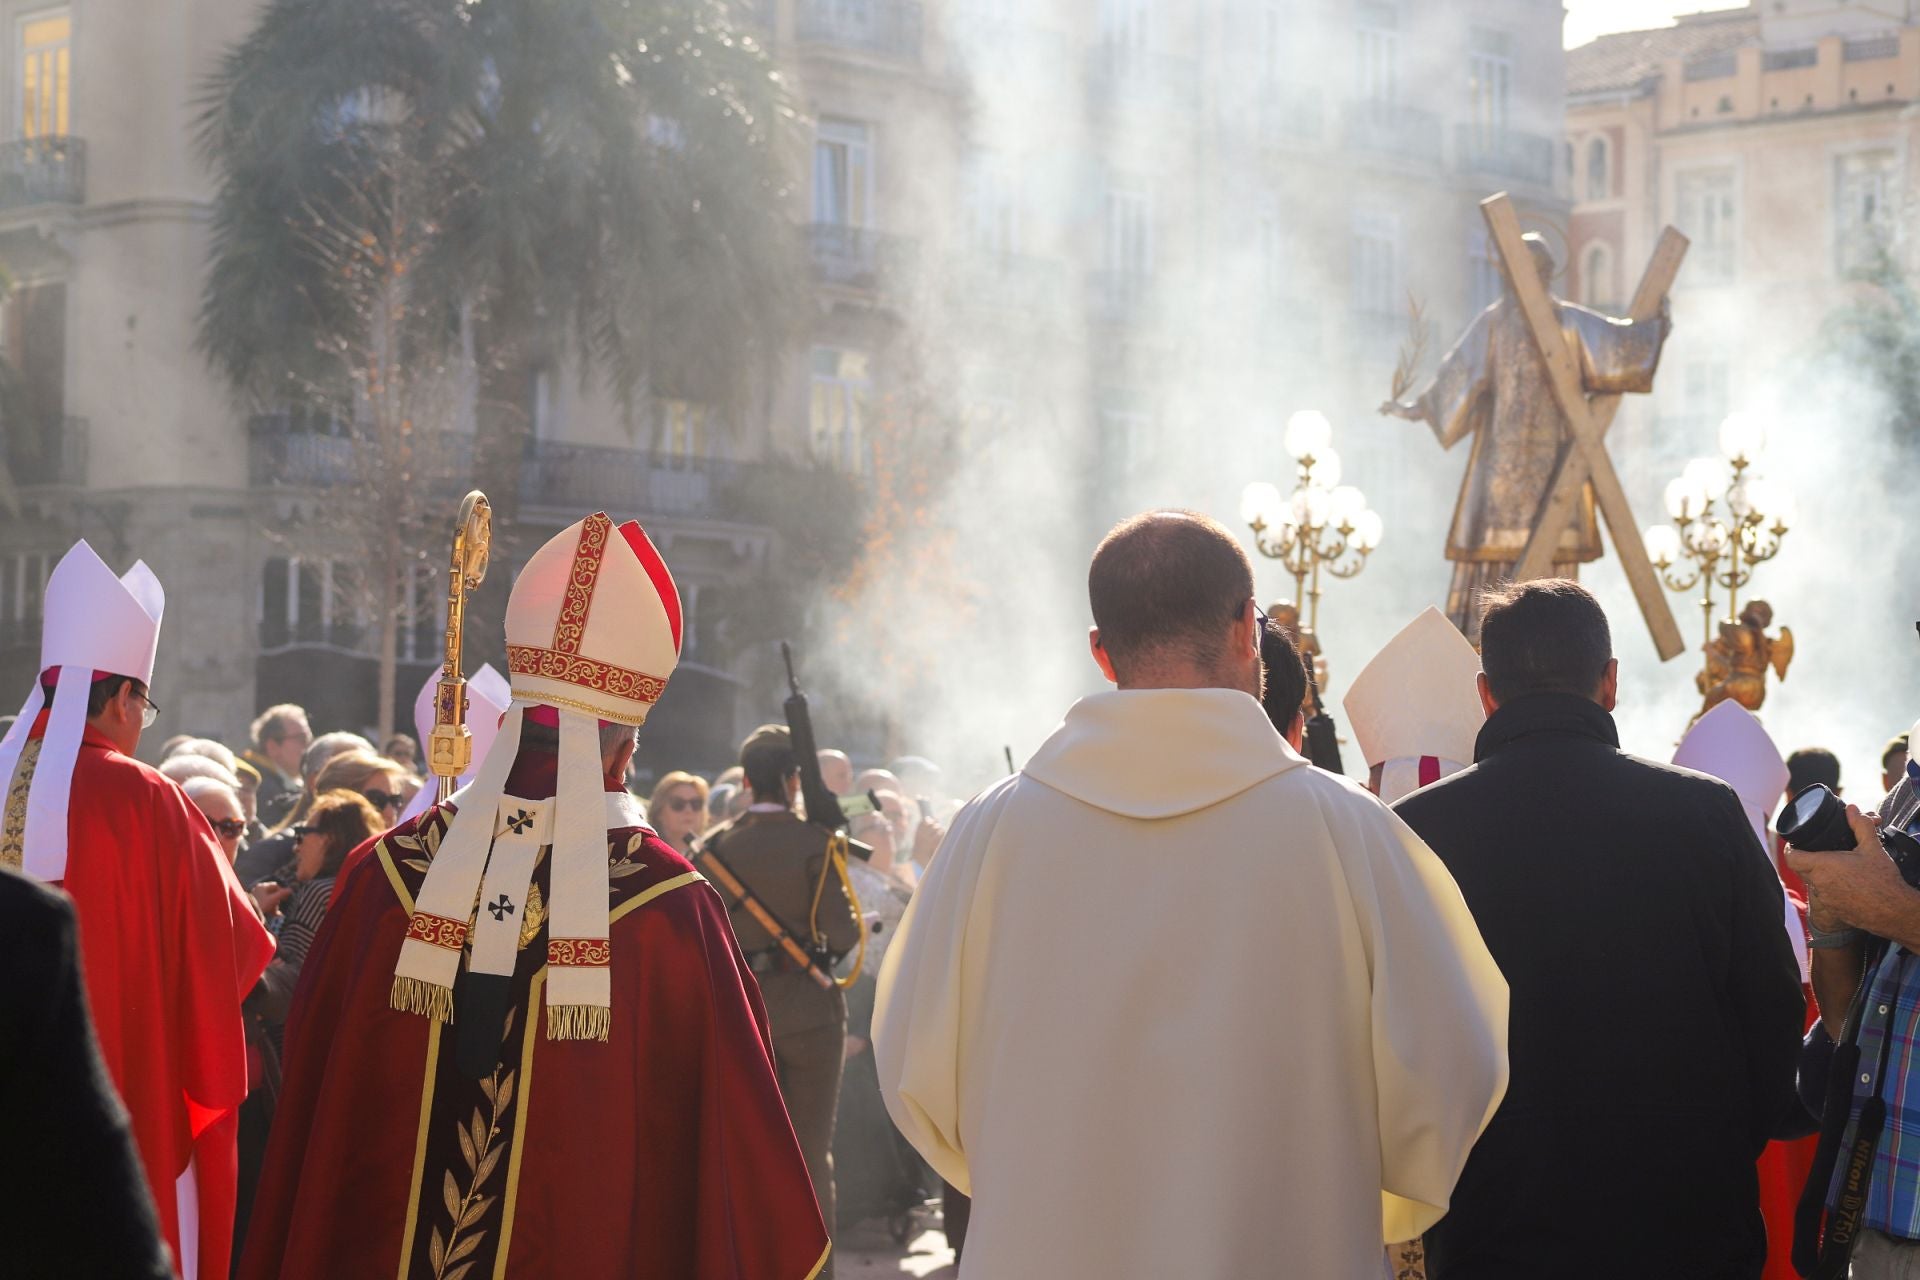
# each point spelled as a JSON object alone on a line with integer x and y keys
{"x": 1816, "y": 821}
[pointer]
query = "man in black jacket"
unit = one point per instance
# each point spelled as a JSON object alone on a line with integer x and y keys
{"x": 1656, "y": 1007}
{"x": 73, "y": 1197}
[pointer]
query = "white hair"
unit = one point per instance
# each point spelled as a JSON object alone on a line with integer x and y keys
{"x": 207, "y": 785}
{"x": 217, "y": 752}
{"x": 185, "y": 767}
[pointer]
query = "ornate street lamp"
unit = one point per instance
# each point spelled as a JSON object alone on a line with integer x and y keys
{"x": 1322, "y": 524}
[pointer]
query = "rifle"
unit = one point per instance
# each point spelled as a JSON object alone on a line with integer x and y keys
{"x": 1322, "y": 740}
{"x": 823, "y": 807}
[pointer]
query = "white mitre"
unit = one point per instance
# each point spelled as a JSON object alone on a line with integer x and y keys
{"x": 93, "y": 622}
{"x": 593, "y": 632}
{"x": 487, "y": 699}
{"x": 1415, "y": 709}
{"x": 1730, "y": 744}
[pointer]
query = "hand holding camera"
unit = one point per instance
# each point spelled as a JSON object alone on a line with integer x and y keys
{"x": 1825, "y": 837}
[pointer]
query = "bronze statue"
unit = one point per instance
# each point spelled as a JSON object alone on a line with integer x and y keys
{"x": 1738, "y": 659}
{"x": 1494, "y": 386}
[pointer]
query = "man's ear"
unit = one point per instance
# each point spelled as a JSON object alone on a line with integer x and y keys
{"x": 622, "y": 757}
{"x": 1609, "y": 695}
{"x": 1100, "y": 655}
{"x": 1487, "y": 703}
{"x": 1297, "y": 731}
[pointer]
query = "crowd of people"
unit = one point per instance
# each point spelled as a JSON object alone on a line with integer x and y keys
{"x": 1567, "y": 1011}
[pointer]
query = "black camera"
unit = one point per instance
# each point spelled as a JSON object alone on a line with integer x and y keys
{"x": 1816, "y": 821}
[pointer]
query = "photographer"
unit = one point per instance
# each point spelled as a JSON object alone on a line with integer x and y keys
{"x": 1865, "y": 922}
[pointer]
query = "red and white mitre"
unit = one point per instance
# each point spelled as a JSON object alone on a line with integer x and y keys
{"x": 1730, "y": 743}
{"x": 95, "y": 625}
{"x": 593, "y": 633}
{"x": 1415, "y": 709}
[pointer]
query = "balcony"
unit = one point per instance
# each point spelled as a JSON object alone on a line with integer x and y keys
{"x": 51, "y": 453}
{"x": 1503, "y": 153}
{"x": 854, "y": 257}
{"x": 1390, "y": 129}
{"x": 46, "y": 170}
{"x": 890, "y": 28}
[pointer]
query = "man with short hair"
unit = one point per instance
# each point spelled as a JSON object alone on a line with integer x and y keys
{"x": 1078, "y": 1023}
{"x": 1283, "y": 691}
{"x": 1656, "y": 1003}
{"x": 264, "y": 857}
{"x": 787, "y": 866}
{"x": 169, "y": 945}
{"x": 836, "y": 770}
{"x": 280, "y": 734}
{"x": 1811, "y": 765}
{"x": 1893, "y": 762}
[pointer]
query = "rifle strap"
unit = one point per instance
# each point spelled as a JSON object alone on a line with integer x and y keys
{"x": 736, "y": 890}
{"x": 837, "y": 847}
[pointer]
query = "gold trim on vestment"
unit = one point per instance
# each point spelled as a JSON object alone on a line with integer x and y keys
{"x": 512, "y": 1201}
{"x": 384, "y": 852}
{"x": 13, "y": 829}
{"x": 420, "y": 1147}
{"x": 603, "y": 711}
{"x": 821, "y": 1265}
{"x": 641, "y": 899}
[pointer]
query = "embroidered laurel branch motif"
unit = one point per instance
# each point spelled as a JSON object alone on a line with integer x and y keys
{"x": 536, "y": 916}
{"x": 481, "y": 1148}
{"x": 13, "y": 830}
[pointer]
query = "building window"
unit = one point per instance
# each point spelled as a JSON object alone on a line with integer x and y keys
{"x": 1274, "y": 24}
{"x": 993, "y": 209}
{"x": 1376, "y": 266}
{"x": 1596, "y": 276}
{"x": 1276, "y": 267}
{"x": 1599, "y": 170}
{"x": 843, "y": 174}
{"x": 541, "y": 410}
{"x": 682, "y": 432}
{"x": 1377, "y": 77}
{"x": 1705, "y": 211}
{"x": 44, "y": 52}
{"x": 837, "y": 412}
{"x": 1123, "y": 440}
{"x": 1865, "y": 183}
{"x": 1125, "y": 32}
{"x": 1490, "y": 80}
{"x": 23, "y": 584}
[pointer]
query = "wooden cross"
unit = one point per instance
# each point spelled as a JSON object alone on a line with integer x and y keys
{"x": 1584, "y": 456}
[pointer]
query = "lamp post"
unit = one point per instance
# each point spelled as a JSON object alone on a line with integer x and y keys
{"x": 1727, "y": 519}
{"x": 1322, "y": 524}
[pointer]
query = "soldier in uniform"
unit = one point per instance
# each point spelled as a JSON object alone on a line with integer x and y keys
{"x": 785, "y": 863}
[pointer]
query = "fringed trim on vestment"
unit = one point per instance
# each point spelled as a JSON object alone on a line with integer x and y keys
{"x": 578, "y": 1022}
{"x": 428, "y": 999}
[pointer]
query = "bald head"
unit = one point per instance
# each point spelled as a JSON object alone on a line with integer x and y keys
{"x": 836, "y": 770}
{"x": 1172, "y": 598}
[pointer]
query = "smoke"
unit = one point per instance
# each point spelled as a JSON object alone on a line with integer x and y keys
{"x": 1130, "y": 279}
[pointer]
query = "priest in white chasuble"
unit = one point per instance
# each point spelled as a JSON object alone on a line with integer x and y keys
{"x": 1172, "y": 1002}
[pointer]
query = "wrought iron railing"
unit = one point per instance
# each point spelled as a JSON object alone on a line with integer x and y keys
{"x": 1716, "y": 66}
{"x": 51, "y": 169}
{"x": 857, "y": 257}
{"x": 1390, "y": 128}
{"x": 1868, "y": 48}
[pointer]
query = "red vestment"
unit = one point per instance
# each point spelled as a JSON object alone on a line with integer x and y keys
{"x": 664, "y": 1151}
{"x": 1785, "y": 1165}
{"x": 169, "y": 947}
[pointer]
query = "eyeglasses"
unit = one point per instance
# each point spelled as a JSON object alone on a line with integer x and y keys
{"x": 300, "y": 830}
{"x": 151, "y": 712}
{"x": 684, "y": 804}
{"x": 384, "y": 800}
{"x": 229, "y": 827}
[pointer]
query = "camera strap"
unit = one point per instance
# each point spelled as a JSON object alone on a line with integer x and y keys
{"x": 1843, "y": 1223}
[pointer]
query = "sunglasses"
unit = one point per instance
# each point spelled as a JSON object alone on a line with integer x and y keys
{"x": 230, "y": 827}
{"x": 683, "y": 804}
{"x": 301, "y": 830}
{"x": 383, "y": 800}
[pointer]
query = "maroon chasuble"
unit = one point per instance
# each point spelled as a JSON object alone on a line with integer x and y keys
{"x": 664, "y": 1152}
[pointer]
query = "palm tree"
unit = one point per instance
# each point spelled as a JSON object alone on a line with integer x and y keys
{"x": 421, "y": 200}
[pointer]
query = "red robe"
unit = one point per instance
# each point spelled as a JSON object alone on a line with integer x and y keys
{"x": 1785, "y": 1165}
{"x": 169, "y": 947}
{"x": 663, "y": 1152}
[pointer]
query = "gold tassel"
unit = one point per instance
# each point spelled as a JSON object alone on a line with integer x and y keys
{"x": 578, "y": 1022}
{"x": 428, "y": 999}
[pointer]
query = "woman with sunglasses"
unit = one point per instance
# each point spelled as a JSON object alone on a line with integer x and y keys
{"x": 678, "y": 810}
{"x": 336, "y": 823}
{"x": 375, "y": 779}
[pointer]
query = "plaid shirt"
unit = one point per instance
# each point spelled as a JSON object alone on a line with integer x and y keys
{"x": 1892, "y": 1010}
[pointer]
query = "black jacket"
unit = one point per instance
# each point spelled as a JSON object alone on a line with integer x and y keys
{"x": 1656, "y": 1006}
{"x": 73, "y": 1194}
